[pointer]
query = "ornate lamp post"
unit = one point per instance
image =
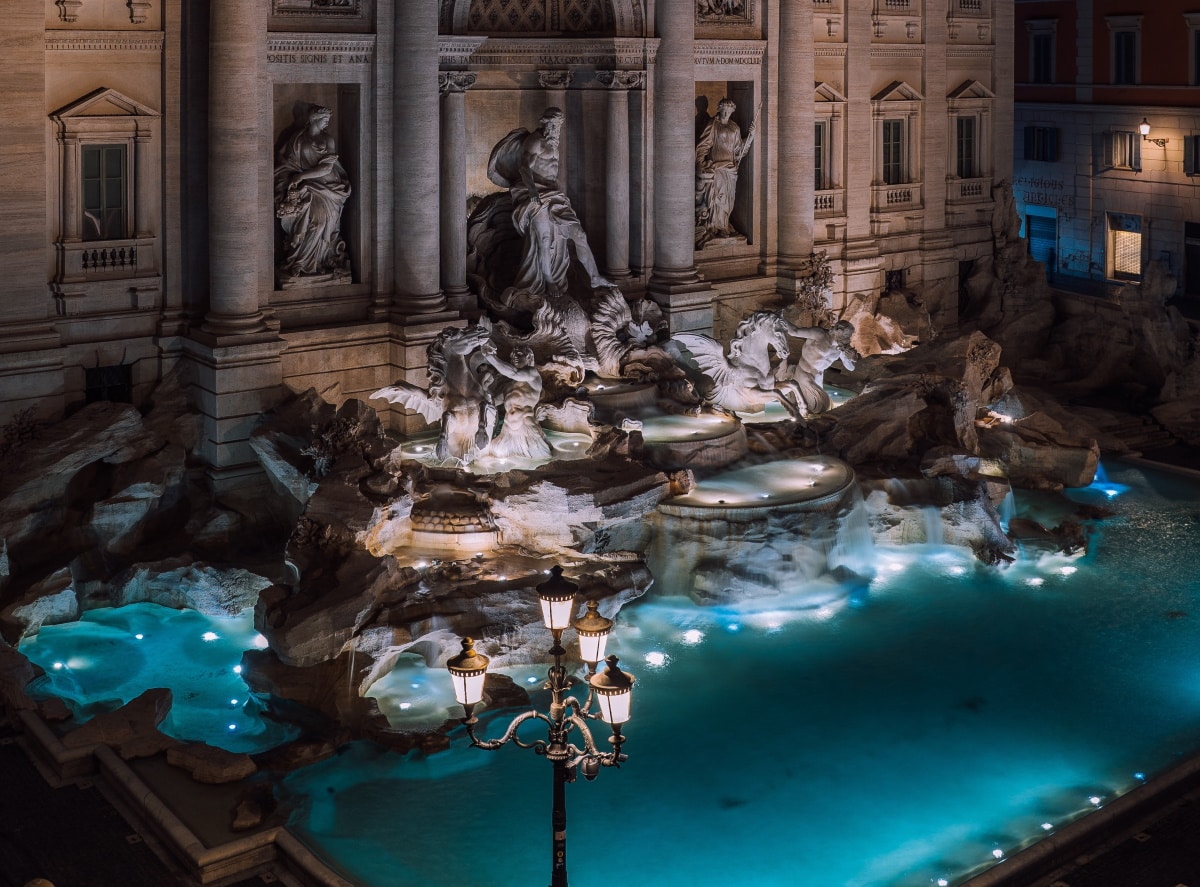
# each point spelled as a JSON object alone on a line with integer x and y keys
{"x": 611, "y": 690}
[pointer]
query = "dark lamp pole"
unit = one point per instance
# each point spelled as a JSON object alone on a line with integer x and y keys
{"x": 610, "y": 690}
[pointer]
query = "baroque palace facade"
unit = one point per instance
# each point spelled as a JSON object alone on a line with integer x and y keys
{"x": 149, "y": 206}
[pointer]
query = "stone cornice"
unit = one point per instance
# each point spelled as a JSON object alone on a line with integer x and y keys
{"x": 456, "y": 52}
{"x": 829, "y": 50}
{"x": 536, "y": 52}
{"x": 320, "y": 49}
{"x": 730, "y": 52}
{"x": 92, "y": 41}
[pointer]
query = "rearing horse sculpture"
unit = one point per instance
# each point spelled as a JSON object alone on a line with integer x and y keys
{"x": 455, "y": 395}
{"x": 745, "y": 380}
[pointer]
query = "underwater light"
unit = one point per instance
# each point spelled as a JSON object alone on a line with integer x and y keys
{"x": 957, "y": 571}
{"x": 733, "y": 626}
{"x": 531, "y": 680}
{"x": 233, "y": 702}
{"x": 416, "y": 685}
{"x": 693, "y": 636}
{"x": 942, "y": 882}
{"x": 1140, "y": 777}
{"x": 233, "y": 726}
{"x": 57, "y": 666}
{"x": 1035, "y": 581}
{"x": 1046, "y": 826}
{"x": 1067, "y": 571}
{"x": 998, "y": 853}
{"x": 656, "y": 659}
{"x": 237, "y": 669}
{"x": 405, "y": 706}
{"x": 139, "y": 635}
{"x": 1094, "y": 801}
{"x": 209, "y": 636}
{"x": 260, "y": 642}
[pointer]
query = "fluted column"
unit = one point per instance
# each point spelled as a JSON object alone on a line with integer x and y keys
{"x": 674, "y": 144}
{"x": 796, "y": 187}
{"x": 237, "y": 70}
{"x": 454, "y": 85}
{"x": 555, "y": 84}
{"x": 617, "y": 170}
{"x": 416, "y": 131}
{"x": 674, "y": 284}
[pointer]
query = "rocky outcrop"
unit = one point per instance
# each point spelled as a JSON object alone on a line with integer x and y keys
{"x": 211, "y": 765}
{"x": 131, "y": 730}
{"x": 49, "y": 602}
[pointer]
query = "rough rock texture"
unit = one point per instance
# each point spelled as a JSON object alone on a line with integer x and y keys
{"x": 183, "y": 584}
{"x": 1181, "y": 418}
{"x": 210, "y": 765}
{"x": 943, "y": 510}
{"x": 15, "y": 674}
{"x": 1038, "y": 453}
{"x": 49, "y": 602}
{"x": 131, "y": 730}
{"x": 929, "y": 396}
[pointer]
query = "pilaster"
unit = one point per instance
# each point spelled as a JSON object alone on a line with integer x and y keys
{"x": 453, "y": 166}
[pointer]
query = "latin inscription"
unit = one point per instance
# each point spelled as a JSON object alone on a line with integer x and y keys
{"x": 317, "y": 58}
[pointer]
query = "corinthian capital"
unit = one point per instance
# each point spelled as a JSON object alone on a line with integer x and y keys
{"x": 554, "y": 79}
{"x": 622, "y": 79}
{"x": 455, "y": 81}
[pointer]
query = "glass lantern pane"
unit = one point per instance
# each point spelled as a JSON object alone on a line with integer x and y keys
{"x": 591, "y": 649}
{"x": 614, "y": 709}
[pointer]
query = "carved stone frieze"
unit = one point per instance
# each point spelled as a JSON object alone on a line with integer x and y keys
{"x": 129, "y": 41}
{"x": 830, "y": 50}
{"x": 618, "y": 52}
{"x": 554, "y": 79}
{"x": 321, "y": 49}
{"x": 455, "y": 81}
{"x": 898, "y": 52}
{"x": 317, "y": 7}
{"x": 969, "y": 52}
{"x": 730, "y": 52}
{"x": 622, "y": 79}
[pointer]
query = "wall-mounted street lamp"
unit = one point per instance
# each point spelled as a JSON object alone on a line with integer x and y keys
{"x": 611, "y": 690}
{"x": 1144, "y": 129}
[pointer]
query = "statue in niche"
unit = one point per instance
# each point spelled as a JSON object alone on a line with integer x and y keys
{"x": 517, "y": 385}
{"x": 822, "y": 347}
{"x": 719, "y": 154}
{"x": 527, "y": 164}
{"x": 311, "y": 190}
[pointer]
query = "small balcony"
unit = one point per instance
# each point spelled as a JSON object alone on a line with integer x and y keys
{"x": 830, "y": 203}
{"x": 896, "y": 198}
{"x": 106, "y": 259}
{"x": 969, "y": 190}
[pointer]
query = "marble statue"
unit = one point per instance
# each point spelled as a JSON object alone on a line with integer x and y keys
{"x": 719, "y": 154}
{"x": 821, "y": 349}
{"x": 517, "y": 385}
{"x": 746, "y": 378}
{"x": 527, "y": 164}
{"x": 456, "y": 395}
{"x": 311, "y": 190}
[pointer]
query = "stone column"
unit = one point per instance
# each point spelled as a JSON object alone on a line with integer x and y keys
{"x": 72, "y": 215}
{"x": 237, "y": 70}
{"x": 555, "y": 84}
{"x": 454, "y": 85}
{"x": 617, "y": 170}
{"x": 674, "y": 283}
{"x": 416, "y": 130}
{"x": 143, "y": 166}
{"x": 796, "y": 122}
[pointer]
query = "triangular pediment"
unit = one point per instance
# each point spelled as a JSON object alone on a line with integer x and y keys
{"x": 825, "y": 92}
{"x": 972, "y": 89}
{"x": 104, "y": 102}
{"x": 897, "y": 91}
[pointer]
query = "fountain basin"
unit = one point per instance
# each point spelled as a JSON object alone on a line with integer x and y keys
{"x": 807, "y": 483}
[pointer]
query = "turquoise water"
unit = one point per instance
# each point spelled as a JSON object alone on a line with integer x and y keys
{"x": 940, "y": 719}
{"x": 111, "y": 656}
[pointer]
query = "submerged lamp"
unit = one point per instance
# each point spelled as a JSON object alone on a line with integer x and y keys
{"x": 569, "y": 744}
